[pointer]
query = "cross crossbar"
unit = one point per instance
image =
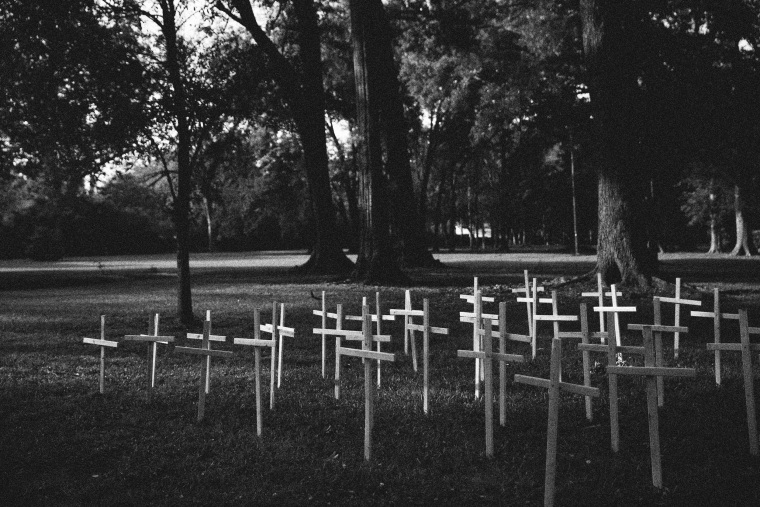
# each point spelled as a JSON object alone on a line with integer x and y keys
{"x": 652, "y": 371}
{"x": 150, "y": 338}
{"x": 102, "y": 343}
{"x": 679, "y": 301}
{"x": 211, "y": 338}
{"x": 203, "y": 352}
{"x": 566, "y": 386}
{"x": 659, "y": 328}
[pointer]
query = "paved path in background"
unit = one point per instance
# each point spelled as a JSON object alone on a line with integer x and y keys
{"x": 287, "y": 259}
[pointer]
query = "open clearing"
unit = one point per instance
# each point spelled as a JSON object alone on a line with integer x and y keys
{"x": 62, "y": 443}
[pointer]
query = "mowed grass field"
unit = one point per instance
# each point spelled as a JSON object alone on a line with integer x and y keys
{"x": 61, "y": 443}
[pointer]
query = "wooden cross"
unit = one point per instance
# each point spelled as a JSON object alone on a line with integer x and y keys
{"x": 658, "y": 328}
{"x": 378, "y": 317}
{"x": 204, "y": 350}
{"x": 746, "y": 348}
{"x": 585, "y": 335}
{"x": 677, "y": 301}
{"x": 555, "y": 318}
{"x": 476, "y": 317}
{"x": 532, "y": 301}
{"x": 279, "y": 333}
{"x": 600, "y": 294}
{"x": 612, "y": 349}
{"x": 528, "y": 302}
{"x": 325, "y": 315}
{"x": 102, "y": 343}
{"x": 651, "y": 371}
{"x": 554, "y": 385}
{"x": 153, "y": 340}
{"x": 487, "y": 355}
{"x": 426, "y": 330}
{"x": 369, "y": 388}
{"x": 257, "y": 343}
{"x": 273, "y": 330}
{"x": 340, "y": 334}
{"x": 212, "y": 338}
{"x": 716, "y": 315}
{"x": 407, "y": 312}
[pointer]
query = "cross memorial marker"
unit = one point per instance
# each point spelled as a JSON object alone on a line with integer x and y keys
{"x": 204, "y": 350}
{"x": 746, "y": 348}
{"x": 272, "y": 330}
{"x": 279, "y": 333}
{"x": 554, "y": 385}
{"x": 426, "y": 329}
{"x": 716, "y": 315}
{"x": 532, "y": 300}
{"x": 651, "y": 371}
{"x": 408, "y": 313}
{"x": 378, "y": 317}
{"x": 476, "y": 317}
{"x": 257, "y": 343}
{"x": 678, "y": 301}
{"x": 369, "y": 387}
{"x": 102, "y": 343}
{"x": 325, "y": 315}
{"x": 153, "y": 340}
{"x": 212, "y": 338}
{"x": 658, "y": 328}
{"x": 600, "y": 295}
{"x": 487, "y": 355}
{"x": 528, "y": 302}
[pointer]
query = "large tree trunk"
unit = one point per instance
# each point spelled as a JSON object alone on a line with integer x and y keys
{"x": 611, "y": 36}
{"x": 715, "y": 236}
{"x": 742, "y": 234}
{"x": 184, "y": 171}
{"x": 409, "y": 221}
{"x": 304, "y": 94}
{"x": 376, "y": 263}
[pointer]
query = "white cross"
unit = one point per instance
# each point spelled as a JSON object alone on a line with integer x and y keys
{"x": 102, "y": 343}
{"x": 716, "y": 315}
{"x": 153, "y": 340}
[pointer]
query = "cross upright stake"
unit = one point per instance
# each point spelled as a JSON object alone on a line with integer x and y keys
{"x": 600, "y": 295}
{"x": 152, "y": 339}
{"x": 274, "y": 330}
{"x": 716, "y": 315}
{"x": 531, "y": 299}
{"x": 477, "y": 315}
{"x": 204, "y": 350}
{"x": 279, "y": 331}
{"x": 651, "y": 371}
{"x": 678, "y": 301}
{"x": 212, "y": 338}
{"x": 378, "y": 317}
{"x": 257, "y": 343}
{"x": 103, "y": 343}
{"x": 426, "y": 330}
{"x": 325, "y": 315}
{"x": 487, "y": 355}
{"x": 746, "y": 348}
{"x": 554, "y": 385}
{"x": 369, "y": 387}
{"x": 528, "y": 302}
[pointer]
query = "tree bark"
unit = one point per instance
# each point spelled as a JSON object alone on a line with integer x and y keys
{"x": 304, "y": 94}
{"x": 376, "y": 263}
{"x": 715, "y": 236}
{"x": 184, "y": 170}
{"x": 742, "y": 235}
{"x": 611, "y": 36}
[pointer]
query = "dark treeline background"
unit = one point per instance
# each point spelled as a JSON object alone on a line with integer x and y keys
{"x": 112, "y": 110}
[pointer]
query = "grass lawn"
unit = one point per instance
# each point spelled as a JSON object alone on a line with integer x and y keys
{"x": 62, "y": 443}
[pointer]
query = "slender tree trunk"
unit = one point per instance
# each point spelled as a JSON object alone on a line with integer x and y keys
{"x": 742, "y": 235}
{"x": 611, "y": 36}
{"x": 184, "y": 171}
{"x": 375, "y": 263}
{"x": 209, "y": 228}
{"x": 715, "y": 237}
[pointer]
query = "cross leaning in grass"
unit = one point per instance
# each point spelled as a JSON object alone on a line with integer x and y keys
{"x": 212, "y": 338}
{"x": 204, "y": 350}
{"x": 487, "y": 355}
{"x": 408, "y": 313}
{"x": 746, "y": 348}
{"x": 368, "y": 354}
{"x": 153, "y": 339}
{"x": 102, "y": 343}
{"x": 554, "y": 385}
{"x": 426, "y": 329}
{"x": 658, "y": 328}
{"x": 651, "y": 371}
{"x": 716, "y": 315}
{"x": 278, "y": 334}
{"x": 257, "y": 343}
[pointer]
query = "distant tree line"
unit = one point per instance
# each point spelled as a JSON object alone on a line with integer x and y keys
{"x": 391, "y": 129}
